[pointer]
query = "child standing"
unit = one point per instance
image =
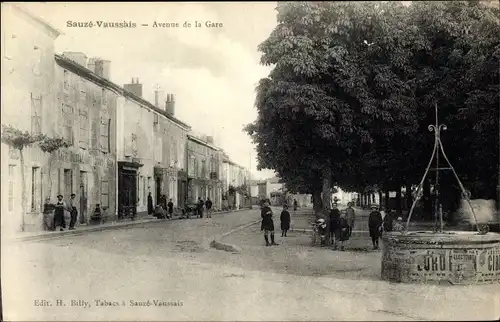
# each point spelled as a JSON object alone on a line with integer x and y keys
{"x": 285, "y": 220}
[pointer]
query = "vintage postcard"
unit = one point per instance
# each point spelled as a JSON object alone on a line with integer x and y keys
{"x": 250, "y": 161}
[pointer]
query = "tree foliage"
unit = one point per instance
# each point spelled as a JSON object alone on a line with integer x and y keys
{"x": 354, "y": 86}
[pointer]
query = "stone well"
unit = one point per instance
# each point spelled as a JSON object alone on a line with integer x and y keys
{"x": 455, "y": 257}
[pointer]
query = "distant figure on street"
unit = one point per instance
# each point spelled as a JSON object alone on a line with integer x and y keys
{"x": 59, "y": 220}
{"x": 374, "y": 225}
{"x": 285, "y": 221}
{"x": 322, "y": 231}
{"x": 388, "y": 220}
{"x": 48, "y": 212}
{"x": 73, "y": 211}
{"x": 399, "y": 226}
{"x": 351, "y": 217}
{"x": 295, "y": 204}
{"x": 267, "y": 224}
{"x": 170, "y": 206}
{"x": 334, "y": 226}
{"x": 344, "y": 230}
{"x": 201, "y": 203}
{"x": 208, "y": 206}
{"x": 151, "y": 208}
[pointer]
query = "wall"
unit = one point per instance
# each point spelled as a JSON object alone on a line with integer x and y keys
{"x": 86, "y": 116}
{"x": 27, "y": 71}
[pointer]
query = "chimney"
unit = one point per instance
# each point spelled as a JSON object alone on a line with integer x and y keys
{"x": 170, "y": 104}
{"x": 134, "y": 87}
{"x": 210, "y": 139}
{"x": 101, "y": 67}
{"x": 77, "y": 57}
{"x": 91, "y": 64}
{"x": 159, "y": 97}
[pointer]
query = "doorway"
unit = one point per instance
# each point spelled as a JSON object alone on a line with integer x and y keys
{"x": 158, "y": 190}
{"x": 83, "y": 197}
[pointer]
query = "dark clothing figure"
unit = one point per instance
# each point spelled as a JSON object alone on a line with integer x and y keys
{"x": 164, "y": 202}
{"x": 151, "y": 208}
{"x": 334, "y": 225}
{"x": 285, "y": 222}
{"x": 208, "y": 204}
{"x": 388, "y": 221}
{"x": 295, "y": 205}
{"x": 170, "y": 207}
{"x": 374, "y": 225}
{"x": 59, "y": 220}
{"x": 344, "y": 229}
{"x": 200, "y": 207}
{"x": 267, "y": 224}
{"x": 48, "y": 219}
{"x": 74, "y": 217}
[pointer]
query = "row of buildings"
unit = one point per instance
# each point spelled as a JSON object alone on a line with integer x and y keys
{"x": 123, "y": 147}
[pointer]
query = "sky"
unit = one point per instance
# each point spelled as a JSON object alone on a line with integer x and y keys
{"x": 213, "y": 71}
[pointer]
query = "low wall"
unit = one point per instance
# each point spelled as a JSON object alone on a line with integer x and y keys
{"x": 453, "y": 257}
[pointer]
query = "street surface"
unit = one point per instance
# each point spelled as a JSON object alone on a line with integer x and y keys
{"x": 164, "y": 271}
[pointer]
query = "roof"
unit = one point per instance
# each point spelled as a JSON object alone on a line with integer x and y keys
{"x": 93, "y": 77}
{"x": 55, "y": 32}
{"x": 200, "y": 141}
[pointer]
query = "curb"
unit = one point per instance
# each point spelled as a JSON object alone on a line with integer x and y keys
{"x": 98, "y": 228}
{"x": 219, "y": 245}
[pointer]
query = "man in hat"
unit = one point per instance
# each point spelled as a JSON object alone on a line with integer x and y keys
{"x": 267, "y": 223}
{"x": 73, "y": 211}
{"x": 322, "y": 230}
{"x": 374, "y": 225}
{"x": 351, "y": 217}
{"x": 60, "y": 206}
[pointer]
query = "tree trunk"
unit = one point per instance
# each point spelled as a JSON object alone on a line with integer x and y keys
{"x": 398, "y": 201}
{"x": 386, "y": 199}
{"x": 23, "y": 189}
{"x": 327, "y": 184}
{"x": 317, "y": 204}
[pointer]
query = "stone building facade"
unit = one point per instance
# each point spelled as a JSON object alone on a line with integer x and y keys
{"x": 85, "y": 109}
{"x": 28, "y": 94}
{"x": 203, "y": 170}
{"x": 151, "y": 151}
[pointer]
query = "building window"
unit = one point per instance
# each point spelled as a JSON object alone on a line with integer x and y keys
{"x": 67, "y": 111}
{"x": 12, "y": 182}
{"x": 191, "y": 166}
{"x": 84, "y": 129}
{"x": 104, "y": 194}
{"x": 36, "y": 114}
{"x": 105, "y": 125}
{"x": 68, "y": 182}
{"x": 156, "y": 121}
{"x": 36, "y": 189}
{"x": 66, "y": 80}
{"x": 104, "y": 98}
{"x": 203, "y": 169}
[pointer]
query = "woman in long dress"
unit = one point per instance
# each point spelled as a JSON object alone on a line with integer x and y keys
{"x": 60, "y": 207}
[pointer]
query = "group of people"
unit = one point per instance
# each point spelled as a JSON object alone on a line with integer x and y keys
{"x": 58, "y": 209}
{"x": 204, "y": 205}
{"x": 340, "y": 226}
{"x": 163, "y": 209}
{"x": 377, "y": 224}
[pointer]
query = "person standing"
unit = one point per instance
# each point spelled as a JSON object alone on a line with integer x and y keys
{"x": 388, "y": 220}
{"x": 344, "y": 230}
{"x": 322, "y": 231}
{"x": 48, "y": 215}
{"x": 375, "y": 222}
{"x": 267, "y": 224}
{"x": 399, "y": 226}
{"x": 351, "y": 217}
{"x": 200, "y": 207}
{"x": 170, "y": 207}
{"x": 334, "y": 226}
{"x": 151, "y": 208}
{"x": 295, "y": 204}
{"x": 73, "y": 212}
{"x": 285, "y": 221}
{"x": 208, "y": 206}
{"x": 59, "y": 220}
